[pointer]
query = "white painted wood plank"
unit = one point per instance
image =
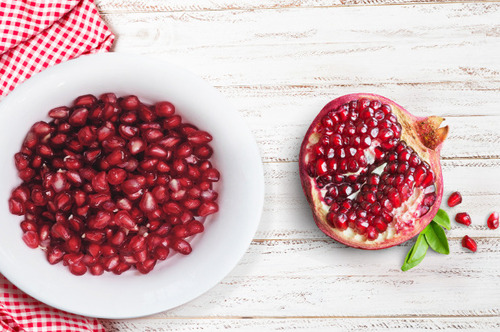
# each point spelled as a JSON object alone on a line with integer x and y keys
{"x": 287, "y": 215}
{"x": 429, "y": 63}
{"x": 207, "y": 5}
{"x": 310, "y": 324}
{"x": 323, "y": 279}
{"x": 422, "y": 44}
{"x": 279, "y": 62}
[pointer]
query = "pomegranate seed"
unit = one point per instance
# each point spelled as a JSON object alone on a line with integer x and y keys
{"x": 181, "y": 246}
{"x": 31, "y": 239}
{"x": 148, "y": 203}
{"x": 100, "y": 182}
{"x": 146, "y": 114}
{"x": 137, "y": 243}
{"x": 109, "y": 98}
{"x": 172, "y": 208}
{"x": 131, "y": 186}
{"x": 85, "y": 100}
{"x": 160, "y": 253}
{"x": 454, "y": 199}
{"x": 111, "y": 262}
{"x": 26, "y": 174}
{"x": 123, "y": 219}
{"x": 195, "y": 227}
{"x": 94, "y": 249}
{"x": 493, "y": 220}
{"x": 122, "y": 267}
{"x": 108, "y": 250}
{"x": 16, "y": 207}
{"x": 101, "y": 220}
{"x": 371, "y": 233}
{"x": 130, "y": 103}
{"x": 72, "y": 258}
{"x": 146, "y": 266}
{"x": 199, "y": 137}
{"x": 79, "y": 117}
{"x": 59, "y": 112}
{"x": 164, "y": 109}
{"x": 28, "y": 225}
{"x": 41, "y": 128}
{"x": 172, "y": 122}
{"x": 60, "y": 231}
{"x": 21, "y": 160}
{"x": 463, "y": 218}
{"x": 55, "y": 255}
{"x": 469, "y": 243}
{"x": 96, "y": 269}
{"x": 207, "y": 208}
{"x": 73, "y": 244}
{"x": 153, "y": 135}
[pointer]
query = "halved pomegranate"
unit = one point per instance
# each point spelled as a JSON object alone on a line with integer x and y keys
{"x": 371, "y": 171}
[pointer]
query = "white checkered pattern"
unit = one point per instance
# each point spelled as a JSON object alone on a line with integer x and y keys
{"x": 22, "y": 313}
{"x": 34, "y": 35}
{"x": 38, "y": 34}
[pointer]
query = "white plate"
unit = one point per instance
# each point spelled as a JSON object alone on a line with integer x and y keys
{"x": 179, "y": 279}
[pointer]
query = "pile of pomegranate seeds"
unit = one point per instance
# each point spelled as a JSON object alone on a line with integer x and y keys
{"x": 355, "y": 140}
{"x": 112, "y": 183}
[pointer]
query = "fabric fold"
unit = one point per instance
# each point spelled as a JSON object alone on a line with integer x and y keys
{"x": 73, "y": 28}
{"x": 34, "y": 35}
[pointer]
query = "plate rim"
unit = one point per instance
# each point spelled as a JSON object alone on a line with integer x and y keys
{"x": 58, "y": 69}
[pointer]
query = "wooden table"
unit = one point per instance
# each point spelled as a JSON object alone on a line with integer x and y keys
{"x": 279, "y": 62}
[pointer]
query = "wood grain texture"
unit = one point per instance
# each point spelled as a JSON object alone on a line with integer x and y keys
{"x": 279, "y": 63}
{"x": 311, "y": 324}
{"x": 300, "y": 278}
{"x": 137, "y": 6}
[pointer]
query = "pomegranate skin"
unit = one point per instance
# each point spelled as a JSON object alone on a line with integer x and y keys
{"x": 423, "y": 134}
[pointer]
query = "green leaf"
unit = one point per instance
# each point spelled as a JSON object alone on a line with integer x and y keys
{"x": 443, "y": 219}
{"x": 416, "y": 253}
{"x": 436, "y": 238}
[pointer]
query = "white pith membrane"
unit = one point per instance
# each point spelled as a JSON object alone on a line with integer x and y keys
{"x": 405, "y": 217}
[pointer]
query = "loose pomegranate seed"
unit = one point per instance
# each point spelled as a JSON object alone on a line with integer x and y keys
{"x": 463, "y": 218}
{"x": 469, "y": 243}
{"x": 493, "y": 220}
{"x": 112, "y": 183}
{"x": 454, "y": 199}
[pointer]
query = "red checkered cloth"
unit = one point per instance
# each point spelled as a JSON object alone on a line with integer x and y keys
{"x": 22, "y": 313}
{"x": 38, "y": 34}
{"x": 35, "y": 35}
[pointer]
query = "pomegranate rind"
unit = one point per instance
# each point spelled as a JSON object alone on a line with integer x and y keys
{"x": 423, "y": 134}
